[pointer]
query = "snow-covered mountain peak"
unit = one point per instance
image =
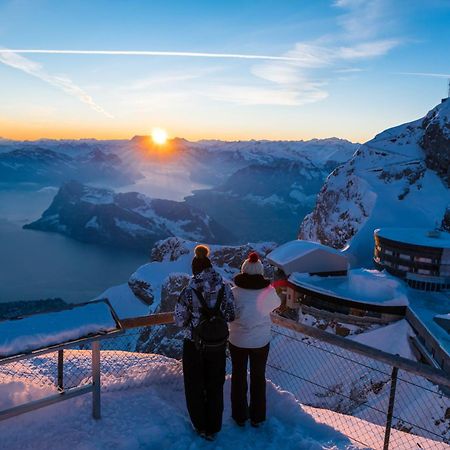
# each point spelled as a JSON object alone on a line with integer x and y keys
{"x": 399, "y": 178}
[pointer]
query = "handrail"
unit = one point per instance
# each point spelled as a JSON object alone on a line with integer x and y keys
{"x": 164, "y": 318}
{"x": 435, "y": 375}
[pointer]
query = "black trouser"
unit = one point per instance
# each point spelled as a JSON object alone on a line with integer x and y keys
{"x": 204, "y": 376}
{"x": 239, "y": 404}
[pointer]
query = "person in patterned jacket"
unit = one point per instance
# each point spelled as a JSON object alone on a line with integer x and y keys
{"x": 203, "y": 372}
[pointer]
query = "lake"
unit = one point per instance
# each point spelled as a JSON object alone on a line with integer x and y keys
{"x": 35, "y": 264}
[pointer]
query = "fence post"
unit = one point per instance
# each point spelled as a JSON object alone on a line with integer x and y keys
{"x": 60, "y": 384}
{"x": 390, "y": 411}
{"x": 96, "y": 411}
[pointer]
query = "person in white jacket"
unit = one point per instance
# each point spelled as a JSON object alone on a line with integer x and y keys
{"x": 249, "y": 340}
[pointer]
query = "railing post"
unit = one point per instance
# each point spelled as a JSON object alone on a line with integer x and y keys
{"x": 390, "y": 411}
{"x": 60, "y": 382}
{"x": 96, "y": 406}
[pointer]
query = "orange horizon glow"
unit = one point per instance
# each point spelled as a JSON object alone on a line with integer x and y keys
{"x": 74, "y": 133}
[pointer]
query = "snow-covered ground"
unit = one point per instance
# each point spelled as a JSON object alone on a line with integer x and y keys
{"x": 143, "y": 408}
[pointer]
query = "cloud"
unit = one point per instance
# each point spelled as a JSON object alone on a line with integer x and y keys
{"x": 11, "y": 59}
{"x": 169, "y": 78}
{"x": 363, "y": 19}
{"x": 304, "y": 77}
{"x": 254, "y": 95}
{"x": 366, "y": 49}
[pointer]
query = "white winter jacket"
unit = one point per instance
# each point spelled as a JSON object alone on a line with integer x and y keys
{"x": 251, "y": 327}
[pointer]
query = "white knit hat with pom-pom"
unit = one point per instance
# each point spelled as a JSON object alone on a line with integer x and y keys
{"x": 252, "y": 265}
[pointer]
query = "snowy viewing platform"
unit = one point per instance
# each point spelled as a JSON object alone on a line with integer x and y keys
{"x": 144, "y": 408}
{"x": 37, "y": 335}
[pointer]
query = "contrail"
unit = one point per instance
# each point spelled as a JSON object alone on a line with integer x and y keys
{"x": 151, "y": 53}
{"x": 64, "y": 83}
{"x": 424, "y": 74}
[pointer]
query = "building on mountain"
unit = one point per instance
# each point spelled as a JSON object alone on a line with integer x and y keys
{"x": 420, "y": 257}
{"x": 315, "y": 279}
{"x": 318, "y": 279}
{"x": 306, "y": 257}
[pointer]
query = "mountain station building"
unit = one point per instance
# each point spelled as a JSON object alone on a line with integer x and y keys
{"x": 411, "y": 281}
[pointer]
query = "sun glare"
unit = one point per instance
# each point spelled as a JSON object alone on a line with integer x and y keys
{"x": 159, "y": 136}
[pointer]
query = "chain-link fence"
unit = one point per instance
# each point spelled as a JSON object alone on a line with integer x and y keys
{"x": 330, "y": 378}
{"x": 349, "y": 391}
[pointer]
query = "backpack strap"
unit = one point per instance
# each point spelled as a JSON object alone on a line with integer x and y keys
{"x": 220, "y": 297}
{"x": 200, "y": 298}
{"x": 215, "y": 309}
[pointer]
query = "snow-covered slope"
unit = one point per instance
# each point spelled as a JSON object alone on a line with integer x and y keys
{"x": 399, "y": 178}
{"x": 216, "y": 160}
{"x": 129, "y": 220}
{"x": 264, "y": 201}
{"x": 153, "y": 286}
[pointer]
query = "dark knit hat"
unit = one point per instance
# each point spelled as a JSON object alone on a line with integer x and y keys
{"x": 201, "y": 261}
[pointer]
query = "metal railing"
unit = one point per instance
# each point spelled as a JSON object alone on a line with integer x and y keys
{"x": 402, "y": 404}
{"x": 375, "y": 398}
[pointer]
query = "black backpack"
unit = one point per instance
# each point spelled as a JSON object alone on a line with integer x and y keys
{"x": 212, "y": 331}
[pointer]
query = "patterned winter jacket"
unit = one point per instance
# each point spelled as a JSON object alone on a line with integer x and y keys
{"x": 187, "y": 309}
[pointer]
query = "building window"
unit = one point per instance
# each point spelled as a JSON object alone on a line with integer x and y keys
{"x": 403, "y": 256}
{"x": 388, "y": 252}
{"x": 424, "y": 271}
{"x": 405, "y": 268}
{"x": 422, "y": 259}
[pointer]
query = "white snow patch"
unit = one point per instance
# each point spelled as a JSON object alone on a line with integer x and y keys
{"x": 43, "y": 330}
{"x": 392, "y": 338}
{"x": 92, "y": 223}
{"x": 124, "y": 302}
{"x": 131, "y": 228}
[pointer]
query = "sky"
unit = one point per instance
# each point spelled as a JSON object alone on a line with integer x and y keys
{"x": 261, "y": 69}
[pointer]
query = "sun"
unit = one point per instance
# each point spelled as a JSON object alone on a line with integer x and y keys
{"x": 159, "y": 136}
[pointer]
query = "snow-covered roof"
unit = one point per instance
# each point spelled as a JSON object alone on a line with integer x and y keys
{"x": 40, "y": 331}
{"x": 360, "y": 285}
{"x": 289, "y": 255}
{"x": 443, "y": 320}
{"x": 431, "y": 308}
{"x": 415, "y": 236}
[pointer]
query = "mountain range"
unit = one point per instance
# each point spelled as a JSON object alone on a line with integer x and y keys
{"x": 253, "y": 190}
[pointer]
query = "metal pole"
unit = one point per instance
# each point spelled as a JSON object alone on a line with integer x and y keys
{"x": 60, "y": 370}
{"x": 390, "y": 411}
{"x": 96, "y": 411}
